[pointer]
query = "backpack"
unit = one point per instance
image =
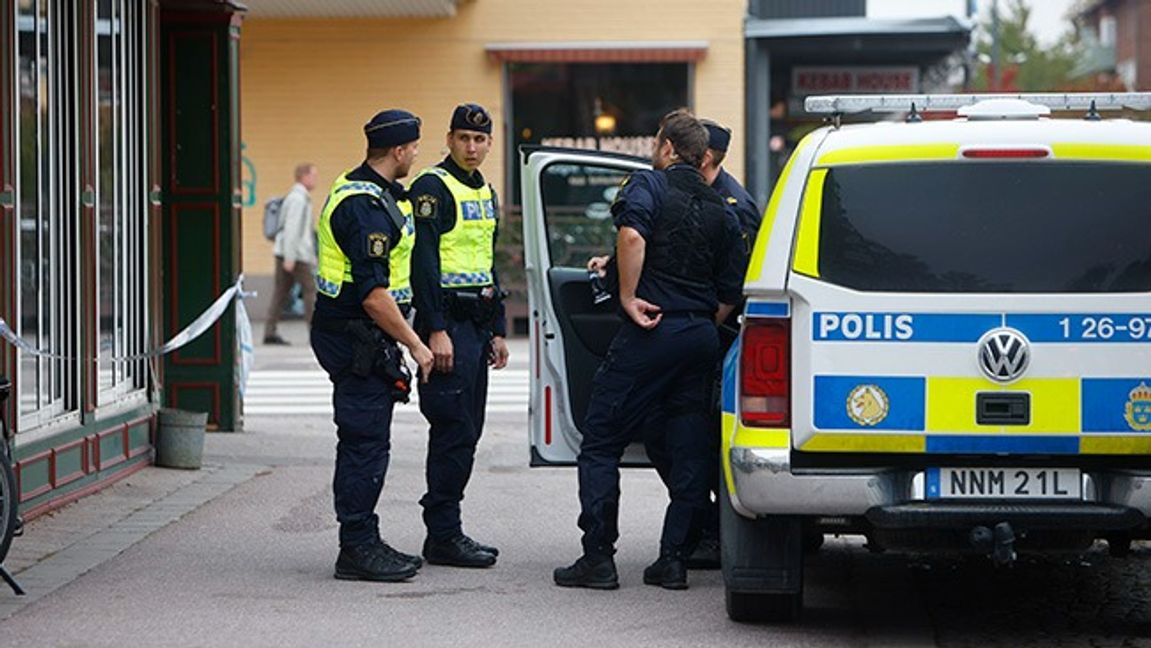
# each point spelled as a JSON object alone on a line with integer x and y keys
{"x": 272, "y": 222}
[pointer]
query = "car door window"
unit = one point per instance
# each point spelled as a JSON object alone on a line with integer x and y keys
{"x": 577, "y": 202}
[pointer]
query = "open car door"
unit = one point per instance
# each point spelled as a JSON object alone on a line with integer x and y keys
{"x": 567, "y": 197}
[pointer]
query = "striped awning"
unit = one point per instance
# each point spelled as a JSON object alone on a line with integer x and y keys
{"x": 599, "y": 52}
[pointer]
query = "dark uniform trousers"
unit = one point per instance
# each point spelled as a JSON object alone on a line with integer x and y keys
{"x": 660, "y": 454}
{"x": 363, "y": 408}
{"x": 453, "y": 403}
{"x": 666, "y": 370}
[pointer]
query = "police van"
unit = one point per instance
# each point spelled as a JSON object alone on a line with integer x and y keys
{"x": 946, "y": 344}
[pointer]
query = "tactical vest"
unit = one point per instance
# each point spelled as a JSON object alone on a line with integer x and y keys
{"x": 688, "y": 231}
{"x": 466, "y": 251}
{"x": 335, "y": 269}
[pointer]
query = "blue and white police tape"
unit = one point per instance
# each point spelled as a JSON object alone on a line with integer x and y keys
{"x": 190, "y": 332}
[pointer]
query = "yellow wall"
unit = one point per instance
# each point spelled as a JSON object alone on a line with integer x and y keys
{"x": 308, "y": 86}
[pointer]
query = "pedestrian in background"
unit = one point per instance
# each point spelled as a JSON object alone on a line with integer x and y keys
{"x": 354, "y": 336}
{"x": 295, "y": 252}
{"x": 678, "y": 254}
{"x": 460, "y": 316}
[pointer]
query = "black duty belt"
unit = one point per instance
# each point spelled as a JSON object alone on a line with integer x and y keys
{"x": 330, "y": 325}
{"x": 691, "y": 315}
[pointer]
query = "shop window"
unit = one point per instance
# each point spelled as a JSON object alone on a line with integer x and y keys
{"x": 607, "y": 106}
{"x": 54, "y": 312}
{"x": 47, "y": 316}
{"x": 120, "y": 199}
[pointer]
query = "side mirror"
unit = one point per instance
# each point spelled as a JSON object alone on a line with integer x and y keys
{"x": 5, "y": 388}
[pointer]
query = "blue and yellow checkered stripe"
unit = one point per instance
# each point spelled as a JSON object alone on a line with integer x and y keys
{"x": 937, "y": 415}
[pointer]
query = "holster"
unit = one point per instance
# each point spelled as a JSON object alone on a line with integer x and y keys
{"x": 481, "y": 308}
{"x": 373, "y": 353}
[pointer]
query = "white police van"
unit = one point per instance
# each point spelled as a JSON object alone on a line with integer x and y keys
{"x": 946, "y": 344}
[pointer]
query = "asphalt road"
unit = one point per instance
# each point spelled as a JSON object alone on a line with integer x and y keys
{"x": 253, "y": 568}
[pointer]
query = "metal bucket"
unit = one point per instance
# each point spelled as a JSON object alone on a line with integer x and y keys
{"x": 180, "y": 438}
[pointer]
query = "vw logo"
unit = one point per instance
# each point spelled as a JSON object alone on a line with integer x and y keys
{"x": 1004, "y": 354}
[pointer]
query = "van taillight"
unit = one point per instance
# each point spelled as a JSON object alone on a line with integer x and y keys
{"x": 765, "y": 373}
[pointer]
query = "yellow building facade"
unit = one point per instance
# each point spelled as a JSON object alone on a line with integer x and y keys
{"x": 309, "y": 83}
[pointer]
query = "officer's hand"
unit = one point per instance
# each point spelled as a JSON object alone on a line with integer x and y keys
{"x": 499, "y": 355}
{"x": 645, "y": 314}
{"x": 441, "y": 346}
{"x": 289, "y": 265}
{"x": 424, "y": 358}
{"x": 598, "y": 265}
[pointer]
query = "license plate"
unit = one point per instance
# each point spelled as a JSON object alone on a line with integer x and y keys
{"x": 1004, "y": 483}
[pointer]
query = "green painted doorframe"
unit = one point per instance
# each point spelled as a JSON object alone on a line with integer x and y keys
{"x": 200, "y": 172}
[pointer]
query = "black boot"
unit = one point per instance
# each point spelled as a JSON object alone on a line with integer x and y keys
{"x": 406, "y": 557}
{"x": 669, "y": 572}
{"x": 459, "y": 551}
{"x": 590, "y": 571}
{"x": 479, "y": 546}
{"x": 706, "y": 554}
{"x": 372, "y": 562}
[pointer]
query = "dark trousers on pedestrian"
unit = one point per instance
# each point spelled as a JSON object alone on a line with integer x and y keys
{"x": 363, "y": 407}
{"x": 453, "y": 404}
{"x": 666, "y": 370}
{"x": 301, "y": 274}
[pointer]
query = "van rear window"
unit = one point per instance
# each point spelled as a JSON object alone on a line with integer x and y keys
{"x": 1005, "y": 227}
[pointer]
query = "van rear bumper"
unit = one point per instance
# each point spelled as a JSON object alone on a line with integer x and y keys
{"x": 766, "y": 484}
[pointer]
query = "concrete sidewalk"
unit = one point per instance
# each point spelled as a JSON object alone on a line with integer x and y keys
{"x": 62, "y": 545}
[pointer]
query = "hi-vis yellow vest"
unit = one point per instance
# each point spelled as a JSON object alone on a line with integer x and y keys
{"x": 466, "y": 251}
{"x": 334, "y": 267}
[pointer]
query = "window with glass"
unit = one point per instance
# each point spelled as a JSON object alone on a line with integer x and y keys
{"x": 51, "y": 121}
{"x": 606, "y": 106}
{"x": 120, "y": 199}
{"x": 46, "y": 198}
{"x": 993, "y": 227}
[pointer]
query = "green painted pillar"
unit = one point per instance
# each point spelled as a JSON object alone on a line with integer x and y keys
{"x": 200, "y": 172}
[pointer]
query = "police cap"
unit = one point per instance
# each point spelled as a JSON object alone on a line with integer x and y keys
{"x": 392, "y": 128}
{"x": 718, "y": 137}
{"x": 473, "y": 117}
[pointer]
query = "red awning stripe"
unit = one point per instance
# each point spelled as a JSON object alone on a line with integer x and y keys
{"x": 598, "y": 53}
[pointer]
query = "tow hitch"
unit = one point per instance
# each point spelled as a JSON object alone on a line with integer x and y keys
{"x": 997, "y": 543}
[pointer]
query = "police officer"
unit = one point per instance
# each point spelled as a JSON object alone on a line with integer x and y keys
{"x": 735, "y": 197}
{"x": 460, "y": 315}
{"x": 354, "y": 333}
{"x": 741, "y": 207}
{"x": 678, "y": 254}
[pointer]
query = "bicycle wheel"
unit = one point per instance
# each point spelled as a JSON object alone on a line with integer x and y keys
{"x": 8, "y": 501}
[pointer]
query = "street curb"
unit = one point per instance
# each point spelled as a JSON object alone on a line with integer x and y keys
{"x": 79, "y": 558}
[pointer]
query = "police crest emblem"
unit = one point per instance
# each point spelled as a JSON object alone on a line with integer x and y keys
{"x": 426, "y": 206}
{"x": 377, "y": 245}
{"x": 1138, "y": 410}
{"x": 868, "y": 405}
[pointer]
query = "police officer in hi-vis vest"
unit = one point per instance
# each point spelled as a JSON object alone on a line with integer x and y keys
{"x": 365, "y": 242}
{"x": 460, "y": 315}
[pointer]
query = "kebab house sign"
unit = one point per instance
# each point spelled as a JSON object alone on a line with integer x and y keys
{"x": 824, "y": 80}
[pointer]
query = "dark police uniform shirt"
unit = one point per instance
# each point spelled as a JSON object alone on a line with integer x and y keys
{"x": 638, "y": 206}
{"x": 427, "y": 294}
{"x": 353, "y": 223}
{"x": 738, "y": 201}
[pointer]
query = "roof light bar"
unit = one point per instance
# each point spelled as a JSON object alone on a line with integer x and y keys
{"x": 850, "y": 104}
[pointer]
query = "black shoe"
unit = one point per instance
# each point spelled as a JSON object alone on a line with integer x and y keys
{"x": 706, "y": 554}
{"x": 592, "y": 572}
{"x": 456, "y": 552}
{"x": 669, "y": 572}
{"x": 479, "y": 546}
{"x": 372, "y": 562}
{"x": 276, "y": 340}
{"x": 405, "y": 557}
